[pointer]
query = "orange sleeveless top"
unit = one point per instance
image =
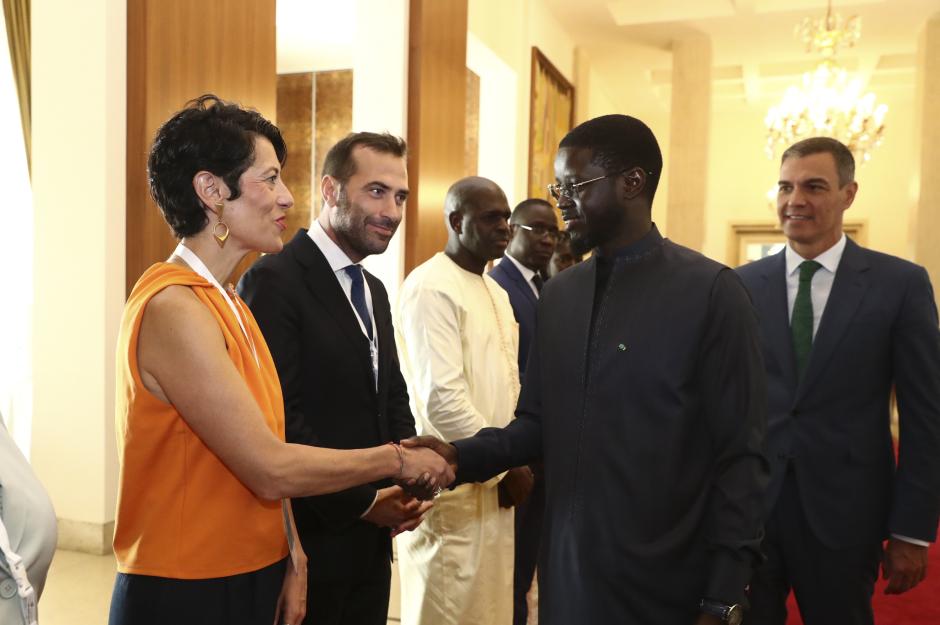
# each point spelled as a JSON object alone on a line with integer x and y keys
{"x": 180, "y": 512}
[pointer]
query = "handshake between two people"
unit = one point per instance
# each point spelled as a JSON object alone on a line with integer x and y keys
{"x": 424, "y": 482}
{"x": 427, "y": 467}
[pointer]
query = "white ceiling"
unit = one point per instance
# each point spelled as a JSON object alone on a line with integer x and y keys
{"x": 755, "y": 54}
{"x": 314, "y": 35}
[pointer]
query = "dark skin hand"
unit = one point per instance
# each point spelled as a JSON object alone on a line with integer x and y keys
{"x": 708, "y": 619}
{"x": 517, "y": 486}
{"x": 517, "y": 483}
{"x": 420, "y": 488}
{"x": 904, "y": 565}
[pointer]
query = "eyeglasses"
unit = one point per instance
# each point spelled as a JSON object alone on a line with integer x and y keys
{"x": 540, "y": 231}
{"x": 570, "y": 190}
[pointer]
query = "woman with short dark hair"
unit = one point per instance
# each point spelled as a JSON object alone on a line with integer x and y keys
{"x": 202, "y": 532}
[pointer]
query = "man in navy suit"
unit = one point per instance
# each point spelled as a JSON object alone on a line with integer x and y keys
{"x": 534, "y": 234}
{"x": 841, "y": 327}
{"x": 521, "y": 271}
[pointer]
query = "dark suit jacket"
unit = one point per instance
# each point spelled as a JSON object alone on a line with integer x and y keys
{"x": 524, "y": 304}
{"x": 650, "y": 426}
{"x": 879, "y": 329}
{"x": 323, "y": 361}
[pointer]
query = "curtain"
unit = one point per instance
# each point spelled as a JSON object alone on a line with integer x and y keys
{"x": 16, "y": 14}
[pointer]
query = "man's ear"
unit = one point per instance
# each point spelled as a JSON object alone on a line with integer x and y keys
{"x": 455, "y": 219}
{"x": 210, "y": 189}
{"x": 634, "y": 181}
{"x": 850, "y": 190}
{"x": 329, "y": 190}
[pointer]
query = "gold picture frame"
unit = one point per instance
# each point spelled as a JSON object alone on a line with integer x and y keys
{"x": 551, "y": 116}
{"x": 755, "y": 240}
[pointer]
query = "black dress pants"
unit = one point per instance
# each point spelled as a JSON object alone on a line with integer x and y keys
{"x": 362, "y": 600}
{"x": 832, "y": 586}
{"x": 245, "y": 599}
{"x": 528, "y": 532}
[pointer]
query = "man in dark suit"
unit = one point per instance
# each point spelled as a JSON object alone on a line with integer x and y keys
{"x": 644, "y": 397}
{"x": 842, "y": 326}
{"x": 520, "y": 272}
{"x": 329, "y": 327}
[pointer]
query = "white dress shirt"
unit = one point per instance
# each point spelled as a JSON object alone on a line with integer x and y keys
{"x": 338, "y": 262}
{"x": 527, "y": 273}
{"x": 820, "y": 287}
{"x": 821, "y": 284}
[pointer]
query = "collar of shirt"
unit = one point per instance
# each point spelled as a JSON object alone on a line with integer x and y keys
{"x": 821, "y": 284}
{"x": 645, "y": 244}
{"x": 527, "y": 273}
{"x": 334, "y": 255}
{"x": 338, "y": 261}
{"x": 829, "y": 259}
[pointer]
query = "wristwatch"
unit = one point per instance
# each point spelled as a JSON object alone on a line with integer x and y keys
{"x": 731, "y": 614}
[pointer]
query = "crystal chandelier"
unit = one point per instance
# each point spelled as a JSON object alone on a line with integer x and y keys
{"x": 827, "y": 102}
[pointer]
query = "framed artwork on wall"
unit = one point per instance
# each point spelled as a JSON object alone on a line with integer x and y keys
{"x": 753, "y": 241}
{"x": 551, "y": 116}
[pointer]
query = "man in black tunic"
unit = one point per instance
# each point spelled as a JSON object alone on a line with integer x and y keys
{"x": 645, "y": 398}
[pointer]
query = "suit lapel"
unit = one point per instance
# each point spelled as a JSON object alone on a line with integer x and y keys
{"x": 776, "y": 321}
{"x": 848, "y": 290}
{"x": 325, "y": 288}
{"x": 521, "y": 283}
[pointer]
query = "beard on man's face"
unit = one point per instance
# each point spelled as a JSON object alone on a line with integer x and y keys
{"x": 351, "y": 223}
{"x": 581, "y": 243}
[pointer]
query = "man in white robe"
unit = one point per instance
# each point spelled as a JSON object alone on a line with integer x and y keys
{"x": 458, "y": 343}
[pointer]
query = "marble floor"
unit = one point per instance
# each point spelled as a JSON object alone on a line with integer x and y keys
{"x": 78, "y": 590}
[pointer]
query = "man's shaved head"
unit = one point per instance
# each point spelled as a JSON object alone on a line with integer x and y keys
{"x": 468, "y": 190}
{"x": 477, "y": 214}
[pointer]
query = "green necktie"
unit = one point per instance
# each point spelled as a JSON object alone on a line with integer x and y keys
{"x": 801, "y": 324}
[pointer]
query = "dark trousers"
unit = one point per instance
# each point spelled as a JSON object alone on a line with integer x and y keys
{"x": 246, "y": 599}
{"x": 528, "y": 533}
{"x": 832, "y": 586}
{"x": 360, "y": 601}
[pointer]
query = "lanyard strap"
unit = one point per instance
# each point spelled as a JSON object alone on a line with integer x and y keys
{"x": 23, "y": 588}
{"x": 199, "y": 267}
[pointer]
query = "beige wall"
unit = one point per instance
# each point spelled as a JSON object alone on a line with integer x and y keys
{"x": 741, "y": 175}
{"x": 510, "y": 29}
{"x": 380, "y": 101}
{"x": 78, "y": 187}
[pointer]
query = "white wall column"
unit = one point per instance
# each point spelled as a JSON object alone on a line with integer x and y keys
{"x": 690, "y": 120}
{"x": 380, "y": 101}
{"x": 79, "y": 119}
{"x": 497, "y": 132}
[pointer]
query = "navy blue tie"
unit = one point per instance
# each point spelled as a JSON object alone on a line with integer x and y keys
{"x": 358, "y": 296}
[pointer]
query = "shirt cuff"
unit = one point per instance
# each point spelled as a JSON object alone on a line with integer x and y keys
{"x": 371, "y": 505}
{"x": 913, "y": 541}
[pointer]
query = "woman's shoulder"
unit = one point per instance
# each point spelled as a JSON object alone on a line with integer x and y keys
{"x": 160, "y": 276}
{"x": 179, "y": 306}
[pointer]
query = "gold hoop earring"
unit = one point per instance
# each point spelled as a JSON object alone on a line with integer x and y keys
{"x": 220, "y": 229}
